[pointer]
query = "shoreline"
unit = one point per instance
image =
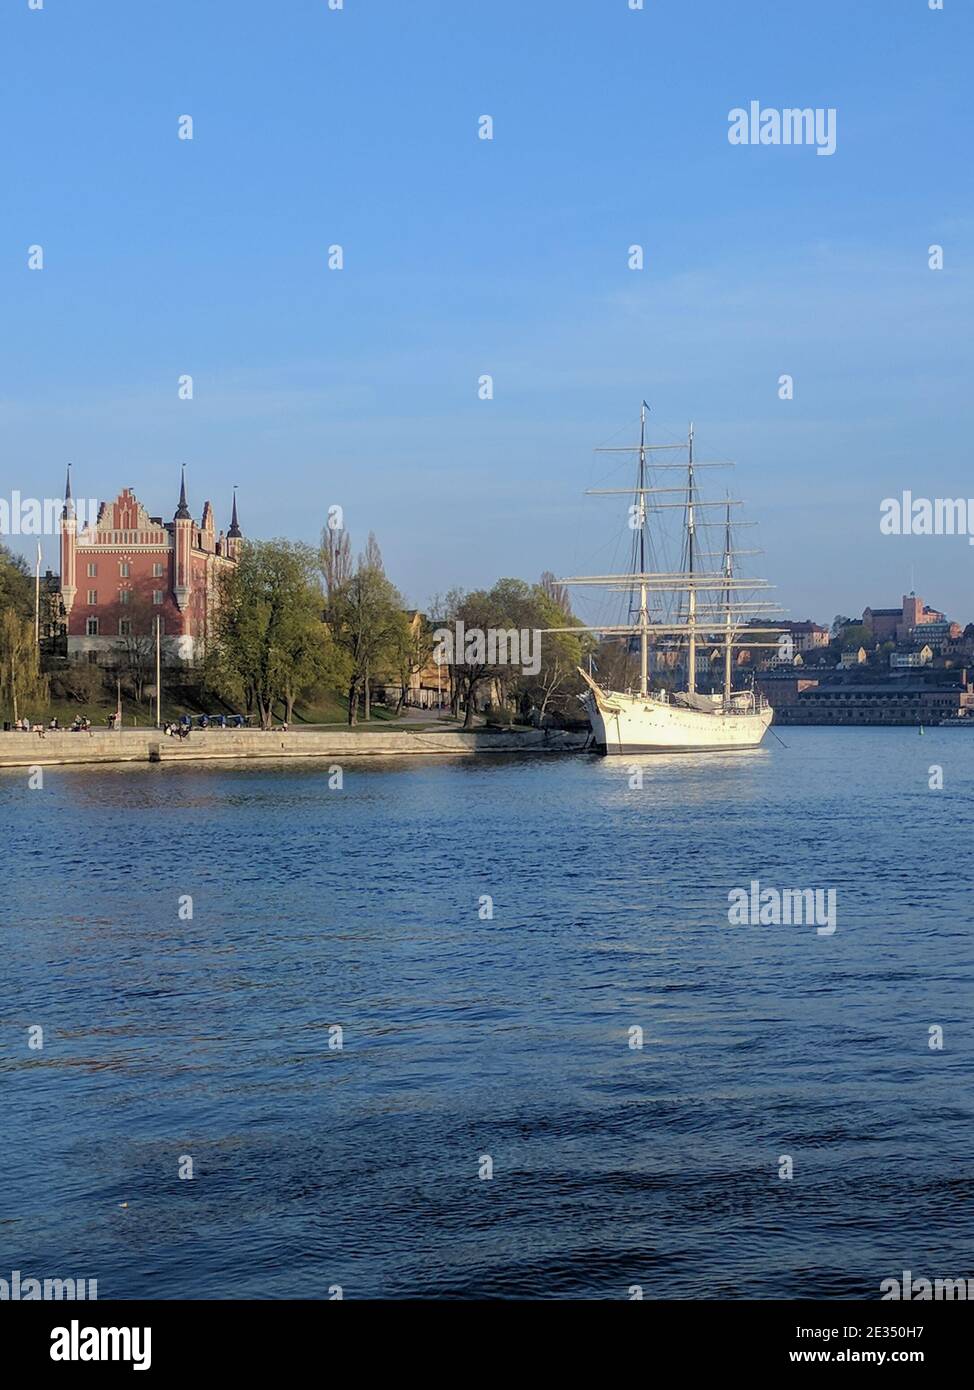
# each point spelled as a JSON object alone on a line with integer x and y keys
{"x": 63, "y": 748}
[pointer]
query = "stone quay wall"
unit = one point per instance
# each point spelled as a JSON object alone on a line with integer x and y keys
{"x": 149, "y": 745}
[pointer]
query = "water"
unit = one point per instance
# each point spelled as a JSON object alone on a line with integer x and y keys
{"x": 507, "y": 1037}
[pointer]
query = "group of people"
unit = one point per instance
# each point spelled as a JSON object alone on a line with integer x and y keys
{"x": 173, "y": 730}
{"x": 81, "y": 724}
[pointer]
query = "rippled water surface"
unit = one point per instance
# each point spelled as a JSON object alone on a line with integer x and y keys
{"x": 466, "y": 1037}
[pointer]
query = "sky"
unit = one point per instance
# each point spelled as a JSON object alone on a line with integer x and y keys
{"x": 464, "y": 257}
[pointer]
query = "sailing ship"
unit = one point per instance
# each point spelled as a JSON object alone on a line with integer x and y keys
{"x": 712, "y": 610}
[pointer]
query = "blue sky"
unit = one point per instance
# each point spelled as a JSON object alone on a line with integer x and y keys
{"x": 509, "y": 257}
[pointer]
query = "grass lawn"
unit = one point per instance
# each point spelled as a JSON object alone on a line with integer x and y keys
{"x": 330, "y": 708}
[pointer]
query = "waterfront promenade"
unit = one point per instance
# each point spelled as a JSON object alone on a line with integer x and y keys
{"x": 150, "y": 745}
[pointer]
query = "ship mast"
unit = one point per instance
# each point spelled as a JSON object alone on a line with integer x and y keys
{"x": 692, "y": 596}
{"x": 728, "y": 571}
{"x": 643, "y": 612}
{"x": 722, "y": 605}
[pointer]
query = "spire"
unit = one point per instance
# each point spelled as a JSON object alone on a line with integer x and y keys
{"x": 234, "y": 531}
{"x": 68, "y": 509}
{"x": 182, "y": 511}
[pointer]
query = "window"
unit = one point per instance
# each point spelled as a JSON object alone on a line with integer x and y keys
{"x": 92, "y": 569}
{"x": 125, "y": 627}
{"x": 157, "y": 596}
{"x": 157, "y": 570}
{"x": 123, "y": 569}
{"x": 92, "y": 658}
{"x": 91, "y": 627}
{"x": 123, "y": 595}
{"x": 92, "y": 597}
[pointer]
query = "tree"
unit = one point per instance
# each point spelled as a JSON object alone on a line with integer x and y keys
{"x": 138, "y": 648}
{"x": 411, "y": 644}
{"x": 306, "y": 656}
{"x": 16, "y": 584}
{"x": 560, "y": 653}
{"x": 335, "y": 562}
{"x": 489, "y": 618}
{"x": 21, "y": 682}
{"x": 271, "y": 641}
{"x": 557, "y": 593}
{"x": 856, "y": 635}
{"x": 365, "y": 617}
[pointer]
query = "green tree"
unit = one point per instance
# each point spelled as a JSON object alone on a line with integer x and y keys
{"x": 507, "y": 608}
{"x": 856, "y": 635}
{"x": 561, "y": 653}
{"x": 365, "y": 616}
{"x": 271, "y": 639}
{"x": 16, "y": 584}
{"x": 21, "y": 682}
{"x": 410, "y": 644}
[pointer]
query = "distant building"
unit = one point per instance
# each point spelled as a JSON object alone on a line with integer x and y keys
{"x": 854, "y": 656}
{"x": 128, "y": 569}
{"x": 916, "y": 656}
{"x": 805, "y": 635}
{"x": 881, "y": 623}
{"x": 860, "y": 697}
{"x": 893, "y": 701}
{"x": 897, "y": 624}
{"x": 938, "y": 634}
{"x": 783, "y": 688}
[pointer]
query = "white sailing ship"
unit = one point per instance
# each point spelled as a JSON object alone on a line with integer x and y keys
{"x": 713, "y": 610}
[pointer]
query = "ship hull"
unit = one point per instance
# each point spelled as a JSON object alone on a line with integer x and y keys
{"x": 623, "y": 723}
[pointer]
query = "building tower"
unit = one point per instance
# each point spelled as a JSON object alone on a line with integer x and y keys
{"x": 182, "y": 548}
{"x": 234, "y": 535}
{"x": 69, "y": 537}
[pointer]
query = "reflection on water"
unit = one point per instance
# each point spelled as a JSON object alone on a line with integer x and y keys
{"x": 210, "y": 1034}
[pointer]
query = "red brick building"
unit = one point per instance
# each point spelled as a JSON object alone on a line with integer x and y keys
{"x": 897, "y": 624}
{"x": 128, "y": 569}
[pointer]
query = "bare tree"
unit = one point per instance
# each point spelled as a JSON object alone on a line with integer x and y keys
{"x": 558, "y": 593}
{"x": 335, "y": 562}
{"x": 138, "y": 646}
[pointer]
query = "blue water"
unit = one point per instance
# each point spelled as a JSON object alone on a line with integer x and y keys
{"x": 509, "y": 1038}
